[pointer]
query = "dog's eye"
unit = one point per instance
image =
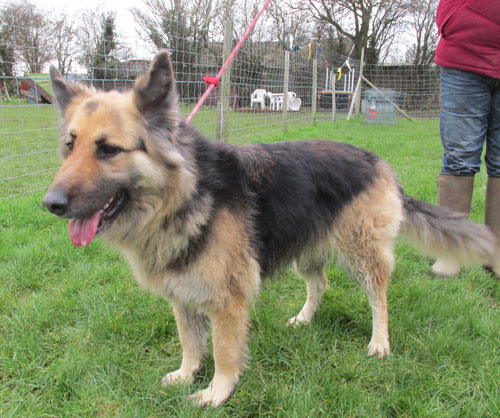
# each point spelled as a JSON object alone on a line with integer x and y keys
{"x": 69, "y": 146}
{"x": 107, "y": 151}
{"x": 71, "y": 142}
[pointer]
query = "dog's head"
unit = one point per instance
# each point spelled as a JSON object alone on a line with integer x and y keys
{"x": 119, "y": 150}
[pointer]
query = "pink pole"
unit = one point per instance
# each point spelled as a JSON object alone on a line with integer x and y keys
{"x": 226, "y": 64}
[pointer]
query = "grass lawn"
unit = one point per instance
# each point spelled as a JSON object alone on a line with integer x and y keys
{"x": 79, "y": 338}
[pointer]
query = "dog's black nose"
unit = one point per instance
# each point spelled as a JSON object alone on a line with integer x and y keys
{"x": 56, "y": 201}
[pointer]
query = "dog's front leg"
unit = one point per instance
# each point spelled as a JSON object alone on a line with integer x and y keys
{"x": 230, "y": 330}
{"x": 192, "y": 327}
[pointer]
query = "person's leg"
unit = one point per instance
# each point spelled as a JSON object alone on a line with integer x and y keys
{"x": 465, "y": 108}
{"x": 492, "y": 160}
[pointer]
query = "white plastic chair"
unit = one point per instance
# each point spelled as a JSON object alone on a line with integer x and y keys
{"x": 258, "y": 96}
{"x": 293, "y": 101}
{"x": 294, "y": 104}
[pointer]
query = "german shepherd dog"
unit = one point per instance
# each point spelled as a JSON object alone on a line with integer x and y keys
{"x": 201, "y": 222}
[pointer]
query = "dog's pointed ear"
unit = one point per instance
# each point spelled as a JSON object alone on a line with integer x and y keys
{"x": 155, "y": 92}
{"x": 64, "y": 92}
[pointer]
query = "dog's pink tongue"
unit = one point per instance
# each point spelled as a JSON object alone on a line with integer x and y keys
{"x": 82, "y": 231}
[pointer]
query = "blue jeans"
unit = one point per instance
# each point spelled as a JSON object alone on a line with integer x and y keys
{"x": 470, "y": 116}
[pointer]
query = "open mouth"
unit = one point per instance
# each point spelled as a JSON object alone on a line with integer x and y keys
{"x": 82, "y": 231}
{"x": 111, "y": 210}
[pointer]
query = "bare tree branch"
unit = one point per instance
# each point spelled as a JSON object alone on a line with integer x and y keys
{"x": 32, "y": 35}
{"x": 64, "y": 46}
{"x": 422, "y": 21}
{"x": 369, "y": 24}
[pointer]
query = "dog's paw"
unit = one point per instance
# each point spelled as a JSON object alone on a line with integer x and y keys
{"x": 177, "y": 378}
{"x": 209, "y": 397}
{"x": 219, "y": 390}
{"x": 379, "y": 349}
{"x": 445, "y": 268}
{"x": 297, "y": 321}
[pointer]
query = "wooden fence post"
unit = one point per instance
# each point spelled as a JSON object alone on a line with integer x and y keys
{"x": 334, "y": 98}
{"x": 361, "y": 68}
{"x": 225, "y": 87}
{"x": 314, "y": 91}
{"x": 285, "y": 87}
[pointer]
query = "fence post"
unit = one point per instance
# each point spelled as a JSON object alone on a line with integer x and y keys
{"x": 314, "y": 91}
{"x": 285, "y": 87}
{"x": 225, "y": 87}
{"x": 361, "y": 68}
{"x": 220, "y": 121}
{"x": 334, "y": 100}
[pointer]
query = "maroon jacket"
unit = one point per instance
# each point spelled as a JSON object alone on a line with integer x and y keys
{"x": 470, "y": 35}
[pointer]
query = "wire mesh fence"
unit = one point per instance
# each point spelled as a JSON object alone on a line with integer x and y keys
{"x": 248, "y": 107}
{"x": 415, "y": 88}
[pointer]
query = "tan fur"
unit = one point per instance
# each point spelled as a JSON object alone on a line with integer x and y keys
{"x": 212, "y": 279}
{"x": 316, "y": 284}
{"x": 463, "y": 251}
{"x": 192, "y": 335}
{"x": 366, "y": 234}
{"x": 366, "y": 229}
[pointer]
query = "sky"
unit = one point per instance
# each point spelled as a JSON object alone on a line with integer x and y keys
{"x": 121, "y": 7}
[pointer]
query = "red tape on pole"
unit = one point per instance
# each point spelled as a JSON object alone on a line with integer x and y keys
{"x": 214, "y": 81}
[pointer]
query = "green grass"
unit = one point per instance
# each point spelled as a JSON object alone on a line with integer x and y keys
{"x": 78, "y": 338}
{"x": 28, "y": 141}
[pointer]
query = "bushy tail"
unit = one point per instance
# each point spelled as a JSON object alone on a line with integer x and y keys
{"x": 442, "y": 233}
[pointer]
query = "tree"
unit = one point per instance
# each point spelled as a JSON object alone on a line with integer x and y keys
{"x": 289, "y": 23}
{"x": 369, "y": 24}
{"x": 64, "y": 46}
{"x": 7, "y": 55}
{"x": 103, "y": 61}
{"x": 101, "y": 50}
{"x": 169, "y": 24}
{"x": 184, "y": 28}
{"x": 32, "y": 35}
{"x": 422, "y": 19}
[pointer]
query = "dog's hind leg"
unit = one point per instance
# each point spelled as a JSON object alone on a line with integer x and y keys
{"x": 192, "y": 327}
{"x": 364, "y": 235}
{"x": 316, "y": 282}
{"x": 372, "y": 268}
